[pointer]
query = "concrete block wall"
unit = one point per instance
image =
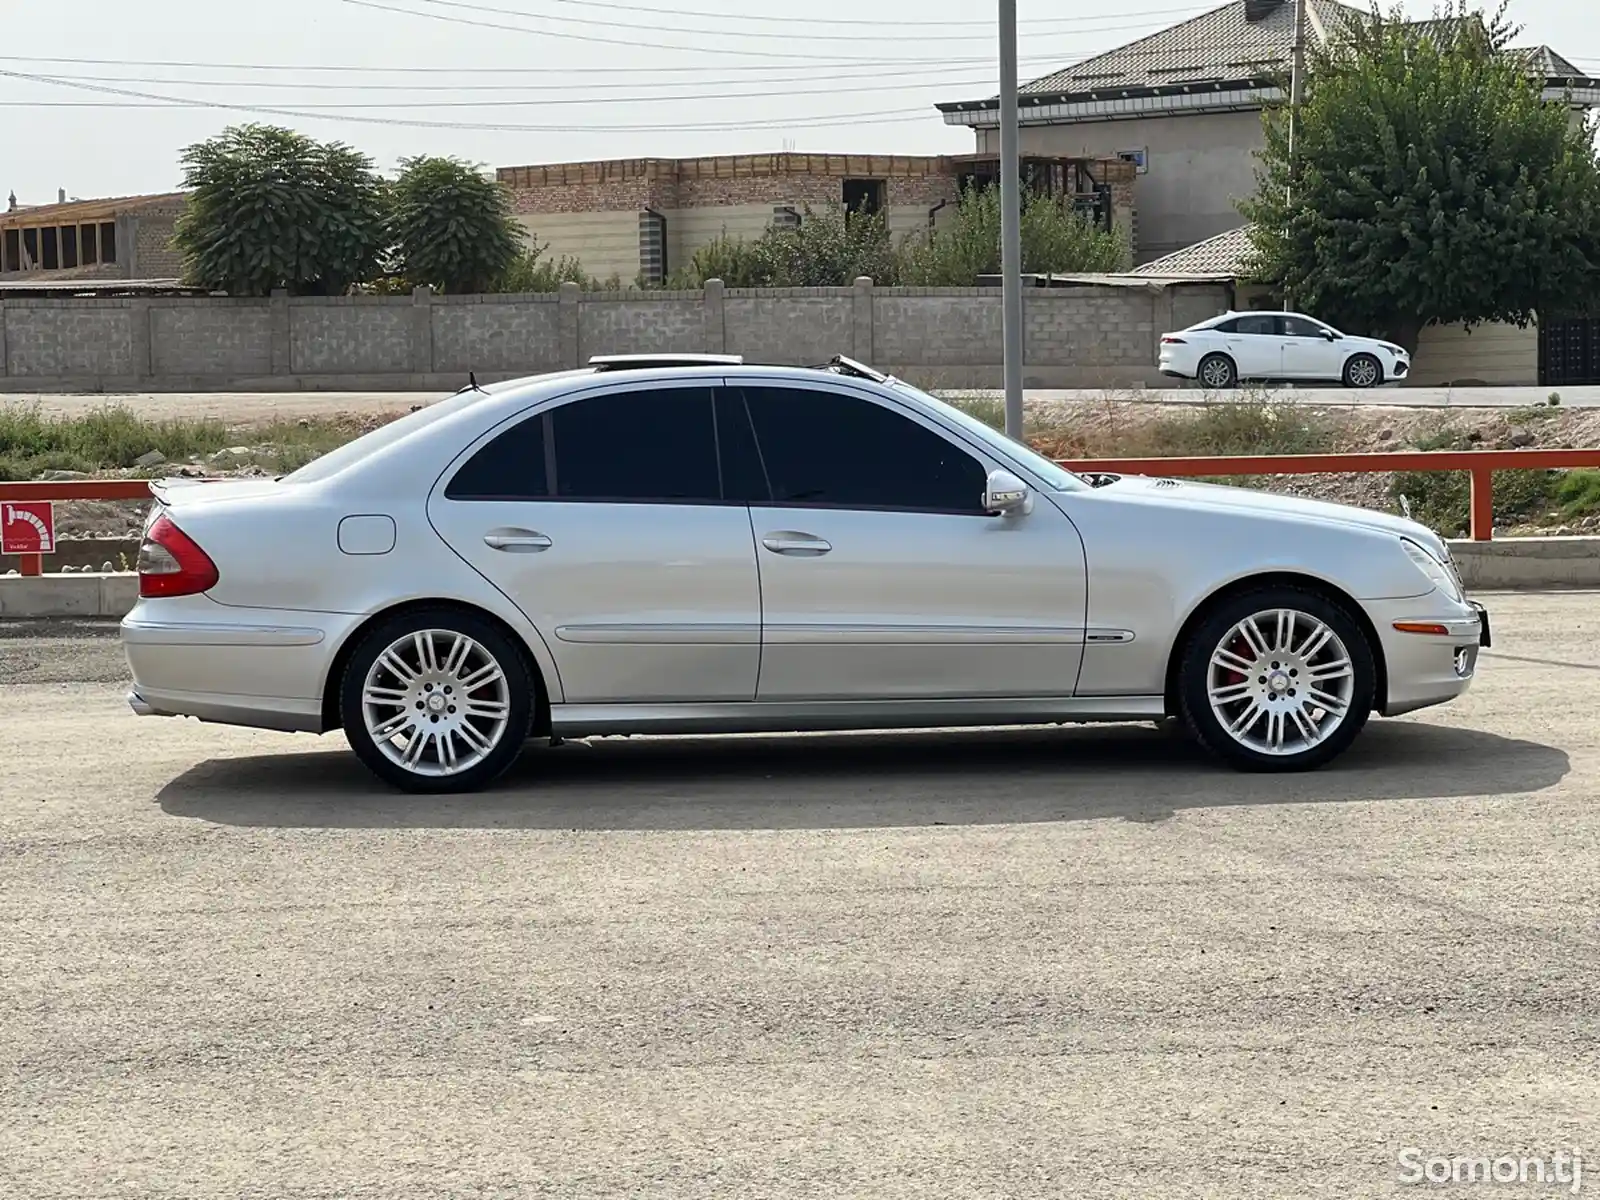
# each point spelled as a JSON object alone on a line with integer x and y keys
{"x": 951, "y": 337}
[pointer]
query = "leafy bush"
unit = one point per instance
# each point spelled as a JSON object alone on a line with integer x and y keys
{"x": 729, "y": 259}
{"x": 531, "y": 271}
{"x": 451, "y": 226}
{"x": 1055, "y": 238}
{"x": 271, "y": 208}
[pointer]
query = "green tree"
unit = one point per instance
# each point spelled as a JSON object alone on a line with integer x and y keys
{"x": 271, "y": 208}
{"x": 451, "y": 226}
{"x": 1055, "y": 237}
{"x": 1430, "y": 182}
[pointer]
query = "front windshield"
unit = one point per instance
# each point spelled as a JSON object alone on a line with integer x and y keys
{"x": 1053, "y": 475}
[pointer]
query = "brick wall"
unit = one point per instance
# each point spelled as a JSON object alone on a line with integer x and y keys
{"x": 154, "y": 256}
{"x": 1093, "y": 336}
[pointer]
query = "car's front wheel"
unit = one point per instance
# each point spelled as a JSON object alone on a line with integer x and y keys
{"x": 1363, "y": 371}
{"x": 436, "y": 701}
{"x": 1277, "y": 679}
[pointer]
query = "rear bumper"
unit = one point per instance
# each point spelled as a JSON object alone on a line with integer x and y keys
{"x": 258, "y": 668}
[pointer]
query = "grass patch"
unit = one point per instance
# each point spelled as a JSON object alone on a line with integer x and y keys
{"x": 113, "y": 438}
{"x": 1253, "y": 425}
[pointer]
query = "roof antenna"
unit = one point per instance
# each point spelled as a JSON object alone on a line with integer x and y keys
{"x": 472, "y": 381}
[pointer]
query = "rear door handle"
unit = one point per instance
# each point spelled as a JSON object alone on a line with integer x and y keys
{"x": 517, "y": 541}
{"x": 800, "y": 544}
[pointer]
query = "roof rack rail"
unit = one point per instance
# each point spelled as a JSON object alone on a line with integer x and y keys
{"x": 646, "y": 362}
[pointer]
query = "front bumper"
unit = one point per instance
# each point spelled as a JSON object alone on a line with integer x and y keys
{"x": 1430, "y": 649}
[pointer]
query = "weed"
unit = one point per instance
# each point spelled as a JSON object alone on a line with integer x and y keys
{"x": 114, "y": 438}
{"x": 1442, "y": 499}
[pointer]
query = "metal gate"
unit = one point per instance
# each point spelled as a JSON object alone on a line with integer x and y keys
{"x": 1569, "y": 353}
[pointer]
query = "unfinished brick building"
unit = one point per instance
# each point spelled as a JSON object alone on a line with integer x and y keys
{"x": 639, "y": 218}
{"x": 127, "y": 237}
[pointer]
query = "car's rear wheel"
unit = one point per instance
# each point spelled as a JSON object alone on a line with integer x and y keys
{"x": 1277, "y": 679}
{"x": 436, "y": 701}
{"x": 1363, "y": 371}
{"x": 1217, "y": 371}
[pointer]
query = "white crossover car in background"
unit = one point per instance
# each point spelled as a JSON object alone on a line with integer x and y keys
{"x": 1279, "y": 346}
{"x": 692, "y": 545}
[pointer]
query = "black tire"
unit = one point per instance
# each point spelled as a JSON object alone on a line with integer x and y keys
{"x": 1368, "y": 374}
{"x": 1206, "y": 640}
{"x": 520, "y": 685}
{"x": 1217, "y": 371}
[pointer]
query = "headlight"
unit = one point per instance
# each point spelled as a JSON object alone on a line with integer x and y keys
{"x": 1443, "y": 578}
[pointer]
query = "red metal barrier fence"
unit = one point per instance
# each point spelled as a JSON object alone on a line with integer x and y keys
{"x": 1480, "y": 464}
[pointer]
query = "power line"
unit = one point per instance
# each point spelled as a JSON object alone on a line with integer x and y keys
{"x": 564, "y": 88}
{"x": 886, "y": 117}
{"x": 868, "y": 67}
{"x": 634, "y": 97}
{"x": 900, "y": 34}
{"x": 984, "y": 25}
{"x": 595, "y": 39}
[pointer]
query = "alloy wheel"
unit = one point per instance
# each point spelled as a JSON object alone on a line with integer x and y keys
{"x": 436, "y": 702}
{"x": 1281, "y": 682}
{"x": 1216, "y": 373}
{"x": 1363, "y": 372}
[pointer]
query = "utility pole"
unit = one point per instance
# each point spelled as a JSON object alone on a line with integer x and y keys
{"x": 1297, "y": 86}
{"x": 1010, "y": 219}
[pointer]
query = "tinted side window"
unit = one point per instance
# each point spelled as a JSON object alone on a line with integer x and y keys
{"x": 744, "y": 479}
{"x": 1226, "y": 326}
{"x": 827, "y": 448}
{"x": 1267, "y": 326}
{"x": 639, "y": 445}
{"x": 511, "y": 467}
{"x": 1300, "y": 327}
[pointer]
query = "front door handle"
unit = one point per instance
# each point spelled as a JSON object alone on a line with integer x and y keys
{"x": 800, "y": 544}
{"x": 517, "y": 541}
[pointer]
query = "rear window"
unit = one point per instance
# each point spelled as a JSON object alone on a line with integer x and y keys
{"x": 367, "y": 444}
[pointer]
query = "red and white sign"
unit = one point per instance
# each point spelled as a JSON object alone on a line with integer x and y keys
{"x": 28, "y": 528}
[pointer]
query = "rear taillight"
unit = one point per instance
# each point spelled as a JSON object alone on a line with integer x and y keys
{"x": 172, "y": 564}
{"x": 1169, "y": 340}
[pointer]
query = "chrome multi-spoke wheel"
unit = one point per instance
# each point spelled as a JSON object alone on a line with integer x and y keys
{"x": 1280, "y": 682}
{"x": 1278, "y": 679}
{"x": 436, "y": 704}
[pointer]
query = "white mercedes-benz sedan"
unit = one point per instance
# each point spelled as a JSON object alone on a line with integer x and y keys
{"x": 687, "y": 544}
{"x": 1279, "y": 347}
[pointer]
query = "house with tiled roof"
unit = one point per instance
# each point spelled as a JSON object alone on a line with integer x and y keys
{"x": 1185, "y": 105}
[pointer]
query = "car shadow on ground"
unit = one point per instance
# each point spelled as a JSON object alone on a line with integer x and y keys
{"x": 857, "y": 781}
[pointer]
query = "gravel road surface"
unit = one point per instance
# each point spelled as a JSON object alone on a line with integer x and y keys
{"x": 1078, "y": 963}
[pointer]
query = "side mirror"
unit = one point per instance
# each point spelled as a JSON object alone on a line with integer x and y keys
{"x": 1330, "y": 335}
{"x": 1004, "y": 493}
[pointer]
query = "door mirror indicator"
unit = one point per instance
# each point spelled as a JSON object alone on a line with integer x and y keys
{"x": 1005, "y": 493}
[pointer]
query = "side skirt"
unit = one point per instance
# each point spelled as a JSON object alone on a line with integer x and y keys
{"x": 816, "y": 716}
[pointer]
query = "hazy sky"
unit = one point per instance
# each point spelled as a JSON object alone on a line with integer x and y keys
{"x": 828, "y": 75}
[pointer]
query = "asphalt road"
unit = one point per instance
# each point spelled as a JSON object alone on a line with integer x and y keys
{"x": 261, "y": 407}
{"x": 1022, "y": 964}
